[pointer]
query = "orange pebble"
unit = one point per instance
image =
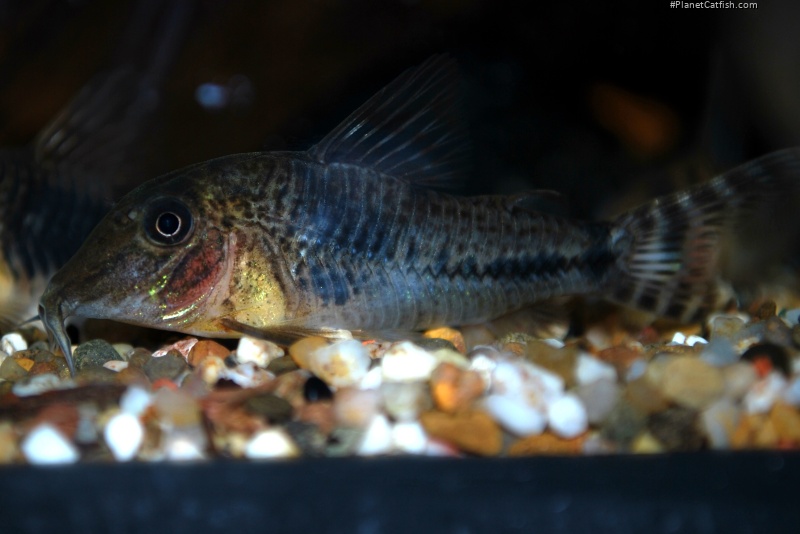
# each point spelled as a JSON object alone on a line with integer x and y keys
{"x": 164, "y": 383}
{"x": 763, "y": 365}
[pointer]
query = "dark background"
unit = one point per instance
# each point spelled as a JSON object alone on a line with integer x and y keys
{"x": 609, "y": 103}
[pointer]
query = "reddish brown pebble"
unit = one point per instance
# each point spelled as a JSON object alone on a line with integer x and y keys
{"x": 454, "y": 389}
{"x": 63, "y": 416}
{"x": 320, "y": 414}
{"x": 621, "y": 357}
{"x": 205, "y": 348}
{"x": 133, "y": 375}
{"x": 473, "y": 432}
{"x": 546, "y": 443}
{"x": 761, "y": 311}
{"x": 41, "y": 368}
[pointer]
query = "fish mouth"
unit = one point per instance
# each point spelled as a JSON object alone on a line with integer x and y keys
{"x": 53, "y": 312}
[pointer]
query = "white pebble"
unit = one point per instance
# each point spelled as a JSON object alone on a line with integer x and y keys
{"x": 515, "y": 415}
{"x": 590, "y": 369}
{"x": 341, "y": 364}
{"x": 484, "y": 366}
{"x": 792, "y": 392}
{"x": 271, "y": 443}
{"x": 537, "y": 384}
{"x": 764, "y": 393}
{"x": 257, "y": 351}
{"x": 116, "y": 365}
{"x": 406, "y": 362}
{"x": 123, "y": 349}
{"x": 718, "y": 422}
{"x": 719, "y": 352}
{"x": 637, "y": 369}
{"x": 791, "y": 317}
{"x": 124, "y": 434}
{"x": 39, "y": 384}
{"x": 247, "y": 375}
{"x": 679, "y": 338}
{"x": 135, "y": 401}
{"x": 373, "y": 379}
{"x": 409, "y": 437}
{"x": 567, "y": 416}
{"x": 403, "y": 401}
{"x": 13, "y": 342}
{"x": 46, "y": 445}
{"x": 695, "y": 339}
{"x": 599, "y": 399}
{"x": 378, "y": 437}
{"x": 183, "y": 449}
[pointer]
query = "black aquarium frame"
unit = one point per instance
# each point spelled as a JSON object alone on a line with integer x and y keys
{"x": 694, "y": 492}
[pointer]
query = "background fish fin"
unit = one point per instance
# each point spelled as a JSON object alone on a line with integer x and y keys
{"x": 410, "y": 129}
{"x": 682, "y": 246}
{"x": 539, "y": 201}
{"x": 103, "y": 131}
{"x": 284, "y": 334}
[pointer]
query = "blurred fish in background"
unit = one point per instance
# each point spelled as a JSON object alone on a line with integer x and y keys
{"x": 54, "y": 189}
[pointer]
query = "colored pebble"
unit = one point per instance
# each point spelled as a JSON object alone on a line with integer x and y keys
{"x": 46, "y": 445}
{"x": 169, "y": 366}
{"x": 11, "y": 370}
{"x": 454, "y": 389}
{"x": 545, "y": 443}
{"x": 315, "y": 390}
{"x": 95, "y": 352}
{"x": 273, "y": 408}
{"x": 472, "y": 432}
{"x": 691, "y": 382}
{"x": 204, "y": 348}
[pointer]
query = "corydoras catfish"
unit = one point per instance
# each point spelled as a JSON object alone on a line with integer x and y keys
{"x": 345, "y": 235}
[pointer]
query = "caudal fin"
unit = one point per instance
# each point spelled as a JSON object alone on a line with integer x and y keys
{"x": 678, "y": 246}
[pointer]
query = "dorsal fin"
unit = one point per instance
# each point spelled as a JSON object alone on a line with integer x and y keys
{"x": 410, "y": 129}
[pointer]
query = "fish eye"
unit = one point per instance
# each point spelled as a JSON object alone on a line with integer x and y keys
{"x": 167, "y": 221}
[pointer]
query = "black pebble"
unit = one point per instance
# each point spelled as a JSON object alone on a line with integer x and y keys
{"x": 316, "y": 390}
{"x": 776, "y": 354}
{"x": 272, "y": 407}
